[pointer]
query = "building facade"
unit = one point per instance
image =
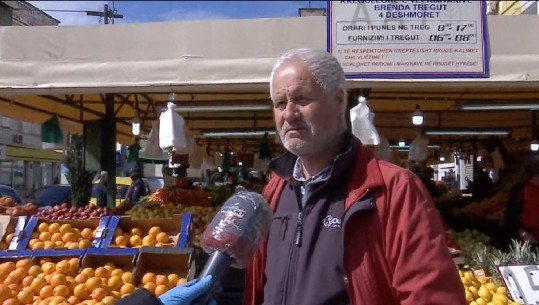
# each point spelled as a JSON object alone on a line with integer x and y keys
{"x": 23, "y": 163}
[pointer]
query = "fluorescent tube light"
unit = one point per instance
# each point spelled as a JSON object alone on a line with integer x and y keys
{"x": 222, "y": 108}
{"x": 534, "y": 145}
{"x": 467, "y": 132}
{"x": 487, "y": 107}
{"x": 237, "y": 134}
{"x": 408, "y": 147}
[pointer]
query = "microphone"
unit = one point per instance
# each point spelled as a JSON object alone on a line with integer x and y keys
{"x": 233, "y": 236}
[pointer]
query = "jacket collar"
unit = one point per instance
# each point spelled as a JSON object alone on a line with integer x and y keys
{"x": 366, "y": 175}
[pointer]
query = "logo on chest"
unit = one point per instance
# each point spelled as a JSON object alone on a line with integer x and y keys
{"x": 332, "y": 222}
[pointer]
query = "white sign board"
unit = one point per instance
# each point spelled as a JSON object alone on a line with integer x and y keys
{"x": 409, "y": 39}
{"x": 522, "y": 282}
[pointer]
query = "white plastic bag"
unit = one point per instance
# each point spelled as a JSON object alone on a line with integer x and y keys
{"x": 418, "y": 149}
{"x": 171, "y": 129}
{"x": 152, "y": 149}
{"x": 362, "y": 123}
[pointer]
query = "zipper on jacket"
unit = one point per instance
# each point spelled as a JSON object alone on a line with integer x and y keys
{"x": 284, "y": 222}
{"x": 299, "y": 228}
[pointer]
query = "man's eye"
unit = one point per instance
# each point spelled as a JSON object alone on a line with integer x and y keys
{"x": 280, "y": 105}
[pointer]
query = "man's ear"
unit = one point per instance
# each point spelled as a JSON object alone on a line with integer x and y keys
{"x": 339, "y": 97}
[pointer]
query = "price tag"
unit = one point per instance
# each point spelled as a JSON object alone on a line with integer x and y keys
{"x": 522, "y": 282}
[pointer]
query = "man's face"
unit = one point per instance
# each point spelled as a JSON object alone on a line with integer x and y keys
{"x": 306, "y": 120}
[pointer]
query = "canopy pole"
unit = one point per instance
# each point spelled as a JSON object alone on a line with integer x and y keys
{"x": 108, "y": 148}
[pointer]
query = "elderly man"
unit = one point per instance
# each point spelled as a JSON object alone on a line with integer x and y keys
{"x": 347, "y": 227}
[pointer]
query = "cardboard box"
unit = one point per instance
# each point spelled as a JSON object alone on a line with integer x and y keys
{"x": 164, "y": 261}
{"x": 122, "y": 258}
{"x": 178, "y": 225}
{"x": 54, "y": 256}
{"x": 97, "y": 224}
{"x": 15, "y": 226}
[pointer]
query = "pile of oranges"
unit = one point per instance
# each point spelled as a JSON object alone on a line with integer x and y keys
{"x": 53, "y": 283}
{"x": 60, "y": 236}
{"x": 134, "y": 238}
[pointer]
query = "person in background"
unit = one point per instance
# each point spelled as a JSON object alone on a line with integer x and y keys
{"x": 427, "y": 176}
{"x": 521, "y": 219}
{"x": 101, "y": 189}
{"x": 137, "y": 189}
{"x": 348, "y": 228}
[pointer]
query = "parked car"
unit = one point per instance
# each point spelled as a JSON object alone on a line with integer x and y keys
{"x": 8, "y": 191}
{"x": 51, "y": 195}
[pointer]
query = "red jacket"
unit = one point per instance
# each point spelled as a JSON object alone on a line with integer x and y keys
{"x": 395, "y": 255}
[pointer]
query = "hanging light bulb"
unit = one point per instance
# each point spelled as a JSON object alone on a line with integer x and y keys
{"x": 402, "y": 143}
{"x": 135, "y": 125}
{"x": 534, "y": 145}
{"x": 417, "y": 116}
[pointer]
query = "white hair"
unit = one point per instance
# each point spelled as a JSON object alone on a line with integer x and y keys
{"x": 326, "y": 70}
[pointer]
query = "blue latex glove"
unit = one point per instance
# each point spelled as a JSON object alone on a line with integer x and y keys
{"x": 187, "y": 293}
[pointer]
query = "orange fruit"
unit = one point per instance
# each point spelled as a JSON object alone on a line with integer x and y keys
{"x": 68, "y": 237}
{"x": 93, "y": 283}
{"x": 58, "y": 280}
{"x": 64, "y": 267}
{"x": 9, "y": 237}
{"x": 27, "y": 280}
{"x": 48, "y": 245}
{"x": 32, "y": 242}
{"x": 48, "y": 267}
{"x": 136, "y": 231}
{"x": 19, "y": 273}
{"x": 162, "y": 237}
{"x": 161, "y": 280}
{"x": 56, "y": 237}
{"x": 5, "y": 293}
{"x": 89, "y": 272}
{"x": 121, "y": 241}
{"x": 34, "y": 270}
{"x": 99, "y": 293}
{"x": 109, "y": 300}
{"x": 135, "y": 240}
{"x": 43, "y": 227}
{"x": 66, "y": 228}
{"x": 73, "y": 300}
{"x": 25, "y": 263}
{"x": 61, "y": 290}
{"x": 126, "y": 277}
{"x": 101, "y": 272}
{"x": 37, "y": 284}
{"x": 150, "y": 286}
{"x": 54, "y": 228}
{"x": 160, "y": 289}
{"x": 57, "y": 300}
{"x": 44, "y": 236}
{"x": 11, "y": 301}
{"x": 173, "y": 279}
{"x": 81, "y": 291}
{"x": 115, "y": 282}
{"x": 154, "y": 231}
{"x": 25, "y": 296}
{"x": 181, "y": 281}
{"x": 10, "y": 280}
{"x": 59, "y": 244}
{"x": 86, "y": 233}
{"x": 148, "y": 240}
{"x": 117, "y": 272}
{"x": 84, "y": 244}
{"x": 74, "y": 263}
{"x": 148, "y": 277}
{"x": 109, "y": 267}
{"x": 45, "y": 291}
{"x": 127, "y": 288}
{"x": 15, "y": 288}
{"x": 81, "y": 278}
{"x": 38, "y": 245}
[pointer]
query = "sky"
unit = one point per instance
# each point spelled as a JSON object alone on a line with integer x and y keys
{"x": 162, "y": 11}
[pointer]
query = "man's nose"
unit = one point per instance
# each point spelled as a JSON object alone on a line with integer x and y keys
{"x": 291, "y": 112}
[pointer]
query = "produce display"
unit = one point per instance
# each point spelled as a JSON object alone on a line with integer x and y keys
{"x": 65, "y": 211}
{"x": 8, "y": 206}
{"x": 60, "y": 236}
{"x": 63, "y": 282}
{"x": 154, "y": 237}
{"x": 481, "y": 291}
